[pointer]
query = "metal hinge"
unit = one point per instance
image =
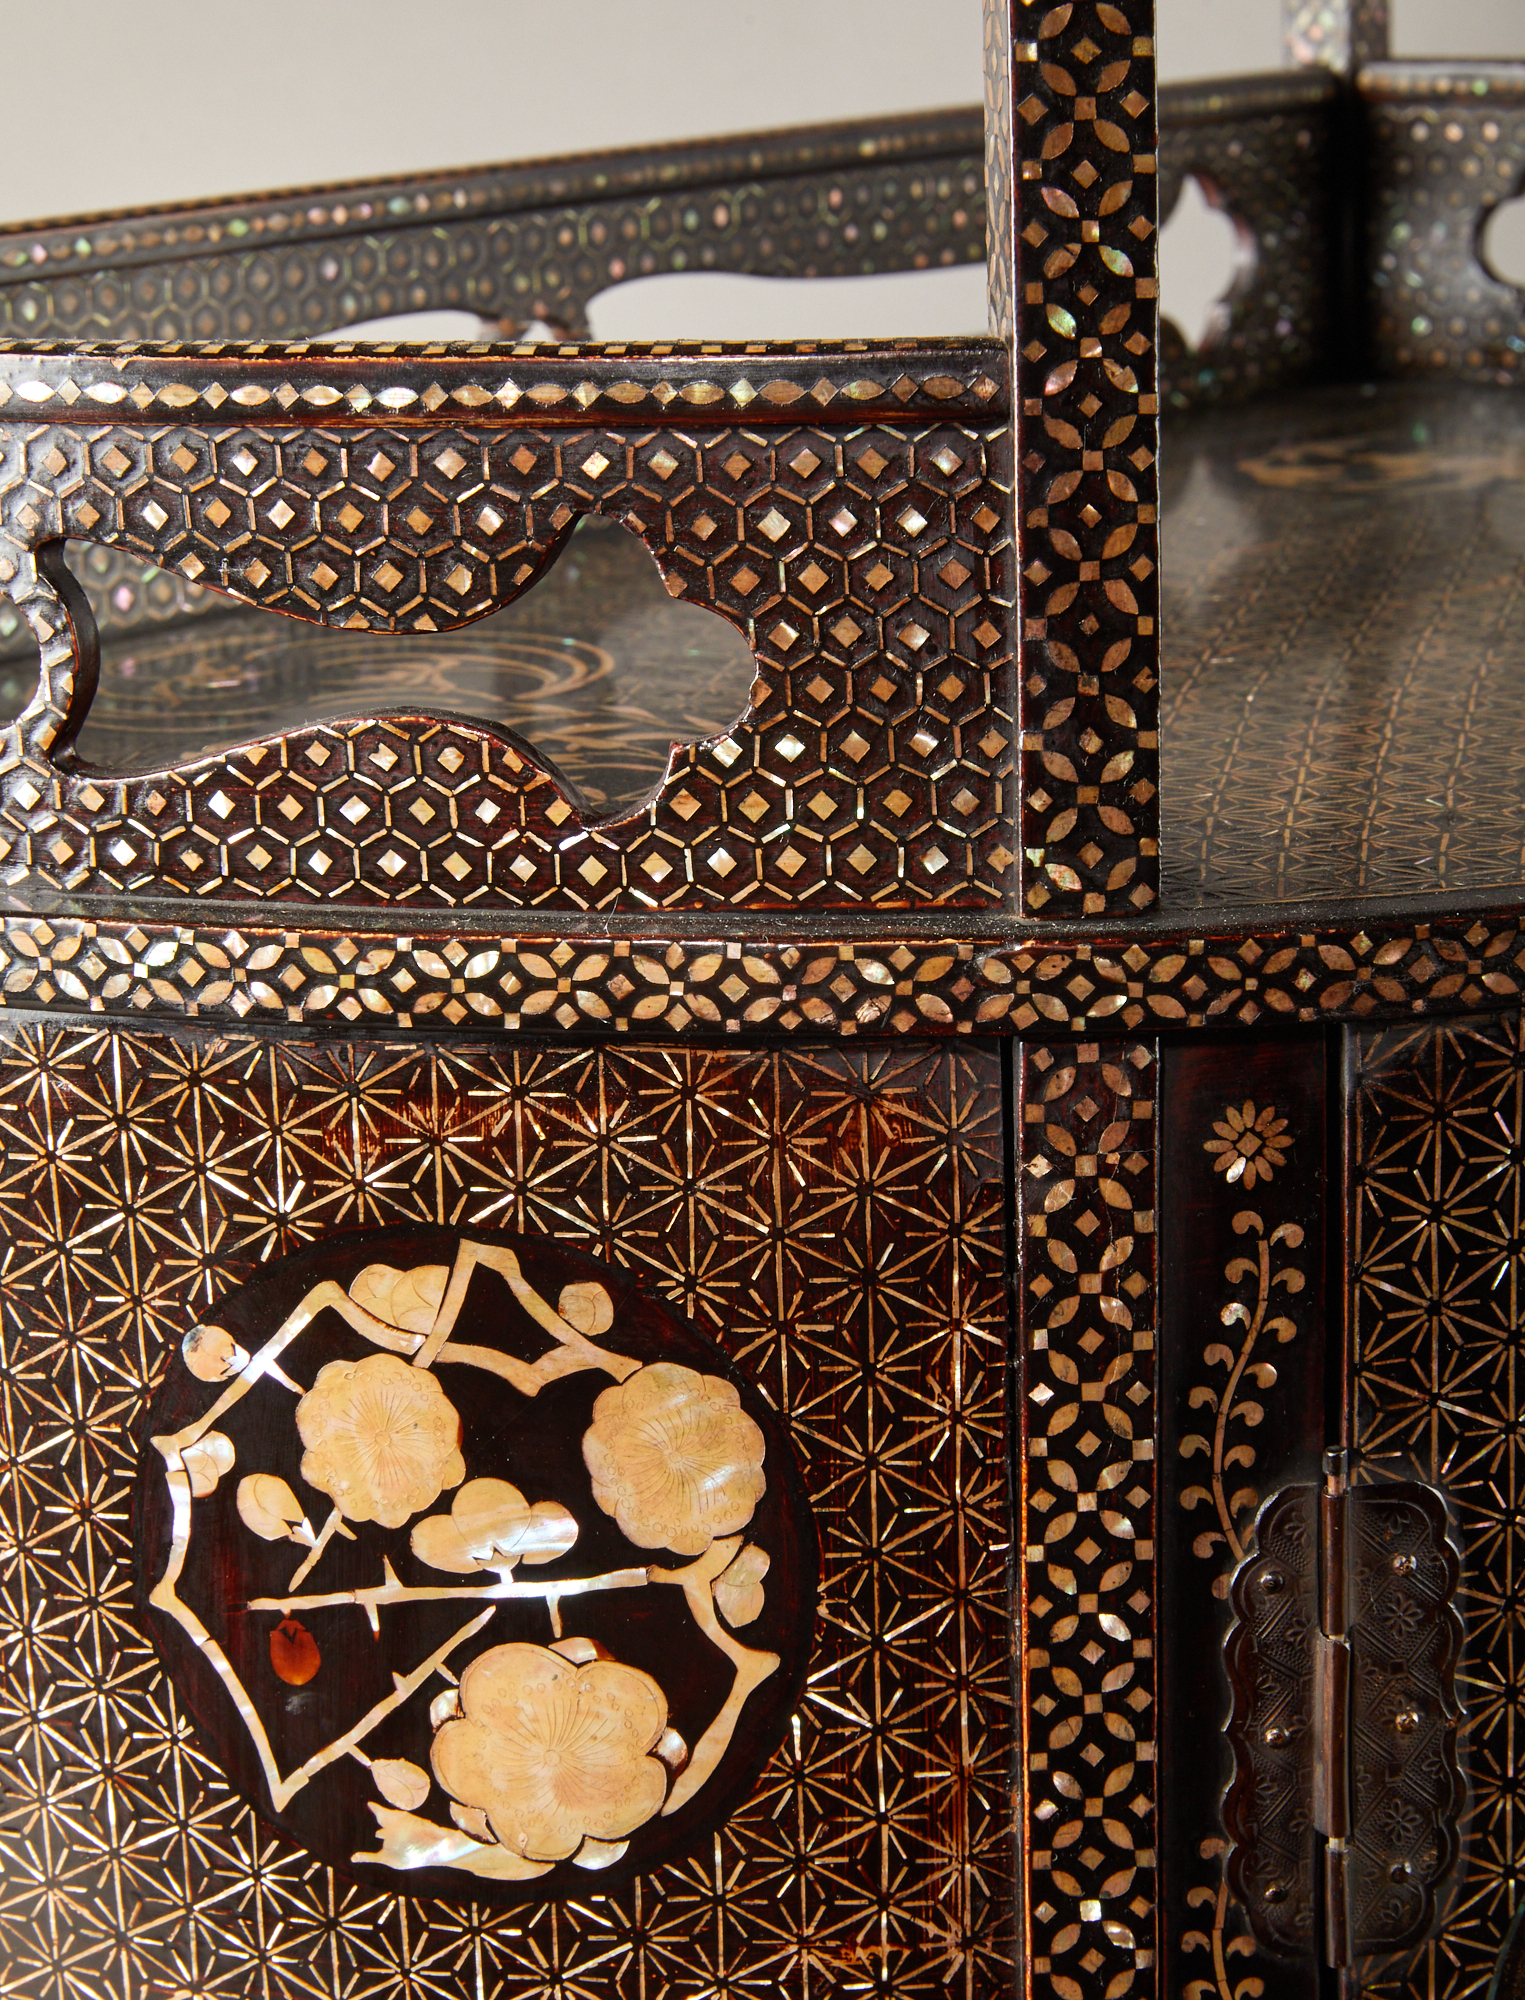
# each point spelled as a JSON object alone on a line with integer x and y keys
{"x": 1346, "y": 1786}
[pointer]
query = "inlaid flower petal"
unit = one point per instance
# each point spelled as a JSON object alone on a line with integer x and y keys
{"x": 400, "y": 1782}
{"x": 588, "y": 1307}
{"x": 1250, "y": 1145}
{"x": 213, "y": 1355}
{"x": 406, "y": 1299}
{"x": 268, "y": 1508}
{"x": 383, "y": 1439}
{"x": 472, "y": 1820}
{"x": 548, "y": 1533}
{"x": 674, "y": 1458}
{"x": 554, "y": 1753}
{"x": 294, "y": 1653}
{"x": 486, "y": 1513}
{"x": 436, "y": 1540}
{"x": 206, "y": 1461}
{"x": 739, "y": 1591}
{"x": 492, "y": 1526}
{"x": 597, "y": 1854}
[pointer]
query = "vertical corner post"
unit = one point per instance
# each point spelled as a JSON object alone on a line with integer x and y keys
{"x": 1343, "y": 35}
{"x": 1071, "y": 144}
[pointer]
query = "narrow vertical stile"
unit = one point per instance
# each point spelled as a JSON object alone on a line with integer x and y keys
{"x": 1086, "y": 1168}
{"x": 1074, "y": 286}
{"x": 1331, "y": 1763}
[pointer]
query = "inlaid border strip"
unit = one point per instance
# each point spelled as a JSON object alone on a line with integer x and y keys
{"x": 1084, "y": 212}
{"x": 280, "y": 382}
{"x": 1086, "y": 1180}
{"x": 451, "y": 200}
{"x": 325, "y": 977}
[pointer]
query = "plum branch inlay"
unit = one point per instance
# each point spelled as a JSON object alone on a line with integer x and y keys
{"x": 422, "y": 1506}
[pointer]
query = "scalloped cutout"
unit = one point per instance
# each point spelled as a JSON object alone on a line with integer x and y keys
{"x": 731, "y": 305}
{"x": 716, "y": 305}
{"x": 595, "y": 666}
{"x": 1204, "y": 255}
{"x": 1501, "y": 243}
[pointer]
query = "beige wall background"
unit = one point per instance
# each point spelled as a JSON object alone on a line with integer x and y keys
{"x": 116, "y": 105}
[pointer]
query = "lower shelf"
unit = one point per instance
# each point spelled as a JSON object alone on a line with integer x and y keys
{"x": 1342, "y": 622}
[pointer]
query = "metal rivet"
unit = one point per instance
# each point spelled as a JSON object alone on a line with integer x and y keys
{"x": 1276, "y": 1892}
{"x": 1406, "y": 1721}
{"x": 1398, "y": 1871}
{"x": 1272, "y": 1581}
{"x": 1404, "y": 1565}
{"x": 1276, "y": 1735}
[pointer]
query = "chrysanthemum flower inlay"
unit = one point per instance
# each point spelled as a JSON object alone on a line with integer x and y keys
{"x": 1249, "y": 1145}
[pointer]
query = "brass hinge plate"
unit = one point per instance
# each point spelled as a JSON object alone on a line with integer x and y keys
{"x": 1346, "y": 1785}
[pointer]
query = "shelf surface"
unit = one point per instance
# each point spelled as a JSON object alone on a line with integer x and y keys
{"x": 1343, "y": 648}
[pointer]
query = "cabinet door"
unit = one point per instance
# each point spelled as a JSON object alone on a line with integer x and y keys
{"x": 1172, "y": 1209}
{"x": 1245, "y": 1411}
{"x": 730, "y": 1357}
{"x": 1339, "y": 1534}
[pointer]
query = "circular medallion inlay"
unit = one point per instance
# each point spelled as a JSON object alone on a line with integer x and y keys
{"x": 480, "y": 1568}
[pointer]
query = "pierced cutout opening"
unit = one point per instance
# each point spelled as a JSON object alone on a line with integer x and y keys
{"x": 433, "y": 326}
{"x": 1204, "y": 254}
{"x": 444, "y": 323}
{"x": 595, "y": 666}
{"x": 715, "y": 305}
{"x": 1502, "y": 242}
{"x": 733, "y": 306}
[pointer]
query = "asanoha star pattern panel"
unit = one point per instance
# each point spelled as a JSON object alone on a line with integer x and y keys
{"x": 1439, "y": 1133}
{"x": 832, "y": 1218}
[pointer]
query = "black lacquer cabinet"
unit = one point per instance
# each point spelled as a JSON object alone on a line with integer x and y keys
{"x": 762, "y": 1106}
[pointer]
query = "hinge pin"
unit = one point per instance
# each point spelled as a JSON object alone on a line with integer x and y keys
{"x": 1331, "y": 1768}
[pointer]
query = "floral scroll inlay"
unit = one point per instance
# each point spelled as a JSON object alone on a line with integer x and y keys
{"x": 421, "y": 1441}
{"x": 1250, "y": 1144}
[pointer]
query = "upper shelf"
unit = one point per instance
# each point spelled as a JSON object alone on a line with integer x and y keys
{"x": 1342, "y": 610}
{"x": 942, "y": 557}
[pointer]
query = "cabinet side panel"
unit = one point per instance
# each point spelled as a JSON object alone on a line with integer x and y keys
{"x": 1437, "y": 1120}
{"x": 833, "y": 1220}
